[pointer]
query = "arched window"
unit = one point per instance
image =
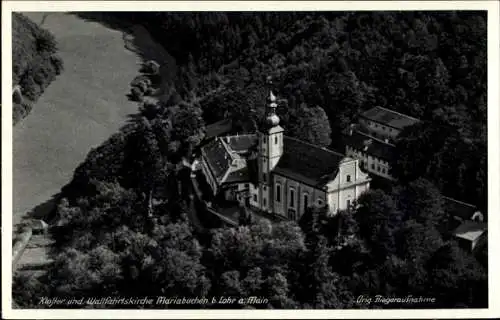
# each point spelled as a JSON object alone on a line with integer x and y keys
{"x": 348, "y": 178}
{"x": 278, "y": 192}
{"x": 292, "y": 198}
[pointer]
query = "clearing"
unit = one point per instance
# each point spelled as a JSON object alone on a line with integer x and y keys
{"x": 85, "y": 105}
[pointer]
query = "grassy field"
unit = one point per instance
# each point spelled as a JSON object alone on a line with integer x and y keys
{"x": 78, "y": 111}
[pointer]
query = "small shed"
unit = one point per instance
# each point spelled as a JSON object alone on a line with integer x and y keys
{"x": 471, "y": 235}
{"x": 39, "y": 226}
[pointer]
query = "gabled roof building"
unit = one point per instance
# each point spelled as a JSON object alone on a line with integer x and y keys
{"x": 281, "y": 175}
{"x": 372, "y": 139}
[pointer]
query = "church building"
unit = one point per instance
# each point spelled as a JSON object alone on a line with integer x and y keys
{"x": 281, "y": 175}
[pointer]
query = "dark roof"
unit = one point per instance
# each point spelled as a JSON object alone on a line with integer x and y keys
{"x": 218, "y": 158}
{"x": 307, "y": 163}
{"x": 470, "y": 230}
{"x": 376, "y": 148}
{"x": 218, "y": 128}
{"x": 219, "y": 154}
{"x": 242, "y": 142}
{"x": 389, "y": 117}
{"x": 238, "y": 176}
{"x": 459, "y": 209}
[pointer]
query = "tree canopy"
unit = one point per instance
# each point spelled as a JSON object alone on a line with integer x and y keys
{"x": 124, "y": 225}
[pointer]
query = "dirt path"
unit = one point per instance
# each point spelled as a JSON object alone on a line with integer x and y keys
{"x": 78, "y": 111}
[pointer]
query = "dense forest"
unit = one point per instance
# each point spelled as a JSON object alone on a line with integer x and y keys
{"x": 429, "y": 65}
{"x": 35, "y": 63}
{"x": 124, "y": 223}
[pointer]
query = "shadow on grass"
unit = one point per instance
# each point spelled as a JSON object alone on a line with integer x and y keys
{"x": 43, "y": 266}
{"x": 137, "y": 39}
{"x": 113, "y": 20}
{"x": 45, "y": 211}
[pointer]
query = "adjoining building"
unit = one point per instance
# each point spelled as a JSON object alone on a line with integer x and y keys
{"x": 280, "y": 175}
{"x": 471, "y": 235}
{"x": 466, "y": 224}
{"x": 372, "y": 139}
{"x": 385, "y": 124}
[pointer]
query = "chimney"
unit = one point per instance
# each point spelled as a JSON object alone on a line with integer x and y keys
{"x": 478, "y": 216}
{"x": 367, "y": 144}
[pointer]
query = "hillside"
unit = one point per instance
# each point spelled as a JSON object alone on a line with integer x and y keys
{"x": 35, "y": 63}
{"x": 429, "y": 65}
{"x": 124, "y": 224}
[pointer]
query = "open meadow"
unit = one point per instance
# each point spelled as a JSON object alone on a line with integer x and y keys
{"x": 78, "y": 111}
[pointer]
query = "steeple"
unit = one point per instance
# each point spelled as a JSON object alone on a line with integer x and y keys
{"x": 272, "y": 119}
{"x": 270, "y": 150}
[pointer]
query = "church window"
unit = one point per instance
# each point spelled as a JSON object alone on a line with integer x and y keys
{"x": 278, "y": 192}
{"x": 348, "y": 178}
{"x": 292, "y": 198}
{"x": 306, "y": 201}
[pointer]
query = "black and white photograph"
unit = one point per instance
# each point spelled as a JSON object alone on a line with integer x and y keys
{"x": 250, "y": 159}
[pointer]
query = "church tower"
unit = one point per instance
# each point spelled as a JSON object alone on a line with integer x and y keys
{"x": 270, "y": 150}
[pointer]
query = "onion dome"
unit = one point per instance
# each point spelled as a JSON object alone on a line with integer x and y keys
{"x": 272, "y": 119}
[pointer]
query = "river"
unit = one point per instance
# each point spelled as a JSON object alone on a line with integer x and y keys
{"x": 78, "y": 111}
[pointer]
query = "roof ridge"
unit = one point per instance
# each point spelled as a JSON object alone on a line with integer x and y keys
{"x": 315, "y": 146}
{"x": 228, "y": 148}
{"x": 376, "y": 139}
{"x": 241, "y": 135}
{"x": 462, "y": 202}
{"x": 393, "y": 111}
